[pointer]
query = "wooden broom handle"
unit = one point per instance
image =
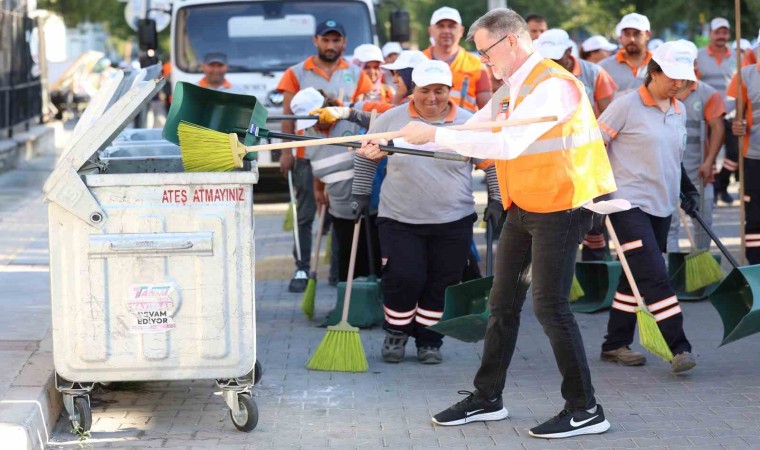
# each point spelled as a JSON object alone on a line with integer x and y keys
{"x": 351, "y": 266}
{"x": 686, "y": 228}
{"x": 740, "y": 116}
{"x": 320, "y": 227}
{"x": 395, "y": 134}
{"x": 624, "y": 263}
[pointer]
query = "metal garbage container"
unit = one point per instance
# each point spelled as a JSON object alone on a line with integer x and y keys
{"x": 151, "y": 268}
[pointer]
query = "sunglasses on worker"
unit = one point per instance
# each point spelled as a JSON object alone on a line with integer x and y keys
{"x": 484, "y": 53}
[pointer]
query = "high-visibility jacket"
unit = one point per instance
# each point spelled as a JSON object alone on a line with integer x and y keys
{"x": 466, "y": 70}
{"x": 564, "y": 168}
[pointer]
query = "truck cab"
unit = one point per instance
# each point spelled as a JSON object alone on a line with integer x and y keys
{"x": 261, "y": 39}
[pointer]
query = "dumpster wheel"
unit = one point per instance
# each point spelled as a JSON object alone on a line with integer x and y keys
{"x": 81, "y": 419}
{"x": 247, "y": 416}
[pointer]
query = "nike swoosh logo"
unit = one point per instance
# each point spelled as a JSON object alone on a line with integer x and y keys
{"x": 575, "y": 424}
{"x": 469, "y": 413}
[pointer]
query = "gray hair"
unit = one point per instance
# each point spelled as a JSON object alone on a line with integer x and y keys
{"x": 500, "y": 22}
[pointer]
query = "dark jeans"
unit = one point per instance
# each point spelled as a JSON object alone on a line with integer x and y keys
{"x": 546, "y": 246}
{"x": 731, "y": 160}
{"x": 306, "y": 207}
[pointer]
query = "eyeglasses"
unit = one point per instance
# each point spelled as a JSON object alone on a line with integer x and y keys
{"x": 484, "y": 53}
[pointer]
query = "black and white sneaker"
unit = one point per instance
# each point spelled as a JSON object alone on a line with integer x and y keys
{"x": 472, "y": 409}
{"x": 572, "y": 423}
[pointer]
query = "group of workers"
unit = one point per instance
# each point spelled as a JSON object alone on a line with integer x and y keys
{"x": 631, "y": 123}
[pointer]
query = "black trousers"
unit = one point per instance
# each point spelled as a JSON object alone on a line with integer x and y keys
{"x": 419, "y": 263}
{"x": 730, "y": 161}
{"x": 343, "y": 233}
{"x": 596, "y": 242}
{"x": 752, "y": 209}
{"x": 644, "y": 239}
{"x": 541, "y": 246}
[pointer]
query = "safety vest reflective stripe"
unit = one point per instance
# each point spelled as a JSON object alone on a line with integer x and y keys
{"x": 585, "y": 137}
{"x": 332, "y": 160}
{"x": 338, "y": 176}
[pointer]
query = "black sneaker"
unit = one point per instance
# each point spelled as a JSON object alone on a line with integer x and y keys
{"x": 572, "y": 423}
{"x": 726, "y": 198}
{"x": 472, "y": 409}
{"x": 299, "y": 281}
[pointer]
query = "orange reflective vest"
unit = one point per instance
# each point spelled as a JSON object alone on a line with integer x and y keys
{"x": 564, "y": 168}
{"x": 466, "y": 70}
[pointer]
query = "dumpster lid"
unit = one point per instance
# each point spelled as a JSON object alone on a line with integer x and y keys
{"x": 64, "y": 186}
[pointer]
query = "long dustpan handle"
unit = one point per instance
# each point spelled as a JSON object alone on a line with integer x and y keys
{"x": 295, "y": 214}
{"x": 395, "y": 134}
{"x": 489, "y": 248}
{"x": 351, "y": 267}
{"x": 624, "y": 263}
{"x": 715, "y": 239}
{"x": 320, "y": 227}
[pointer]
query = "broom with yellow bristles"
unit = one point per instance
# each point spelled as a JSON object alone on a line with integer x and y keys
{"x": 310, "y": 294}
{"x": 701, "y": 269}
{"x": 576, "y": 290}
{"x": 207, "y": 150}
{"x": 650, "y": 336}
{"x": 341, "y": 349}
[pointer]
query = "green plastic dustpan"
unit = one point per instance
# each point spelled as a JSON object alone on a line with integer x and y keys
{"x": 220, "y": 111}
{"x": 735, "y": 302}
{"x": 677, "y": 277}
{"x": 366, "y": 304}
{"x": 599, "y": 280}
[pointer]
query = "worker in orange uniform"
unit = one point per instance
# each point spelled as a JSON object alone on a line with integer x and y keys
{"x": 628, "y": 67}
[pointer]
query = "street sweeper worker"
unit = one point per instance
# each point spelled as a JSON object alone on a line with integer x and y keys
{"x": 546, "y": 172}
{"x": 705, "y": 130}
{"x": 425, "y": 217}
{"x": 628, "y": 66}
{"x": 369, "y": 57}
{"x": 327, "y": 70}
{"x": 748, "y": 128}
{"x": 645, "y": 133}
{"x": 214, "y": 68}
{"x": 472, "y": 83}
{"x": 596, "y": 48}
{"x": 333, "y": 170}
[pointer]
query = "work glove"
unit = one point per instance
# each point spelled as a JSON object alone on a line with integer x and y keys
{"x": 331, "y": 114}
{"x": 360, "y": 205}
{"x": 689, "y": 195}
{"x": 493, "y": 212}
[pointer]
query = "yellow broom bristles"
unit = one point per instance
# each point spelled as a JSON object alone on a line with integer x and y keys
{"x": 309, "y": 297}
{"x": 702, "y": 270}
{"x": 576, "y": 290}
{"x": 341, "y": 350}
{"x": 650, "y": 335}
{"x": 204, "y": 149}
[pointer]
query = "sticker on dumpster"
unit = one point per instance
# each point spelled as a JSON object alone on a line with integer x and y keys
{"x": 203, "y": 195}
{"x": 152, "y": 307}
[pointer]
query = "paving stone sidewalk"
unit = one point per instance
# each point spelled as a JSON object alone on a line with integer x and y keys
{"x": 716, "y": 406}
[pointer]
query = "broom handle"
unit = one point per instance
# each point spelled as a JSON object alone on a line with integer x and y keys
{"x": 717, "y": 241}
{"x": 295, "y": 214}
{"x": 624, "y": 263}
{"x": 739, "y": 116}
{"x": 687, "y": 229}
{"x": 396, "y": 134}
{"x": 320, "y": 227}
{"x": 351, "y": 266}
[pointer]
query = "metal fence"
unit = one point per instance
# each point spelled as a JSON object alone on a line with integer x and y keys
{"x": 20, "y": 89}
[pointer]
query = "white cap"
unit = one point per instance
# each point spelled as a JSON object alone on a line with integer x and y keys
{"x": 432, "y": 72}
{"x": 633, "y": 20}
{"x": 304, "y": 102}
{"x": 692, "y": 46}
{"x": 597, "y": 42}
{"x": 676, "y": 60}
{"x": 407, "y": 59}
{"x": 368, "y": 52}
{"x": 654, "y": 44}
{"x": 743, "y": 43}
{"x": 445, "y": 13}
{"x": 390, "y": 48}
{"x": 719, "y": 22}
{"x": 552, "y": 43}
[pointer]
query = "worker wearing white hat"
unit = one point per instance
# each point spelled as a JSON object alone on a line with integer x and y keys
{"x": 716, "y": 64}
{"x": 472, "y": 83}
{"x": 369, "y": 57}
{"x": 596, "y": 48}
{"x": 645, "y": 135}
{"x": 391, "y": 50}
{"x": 425, "y": 216}
{"x": 628, "y": 67}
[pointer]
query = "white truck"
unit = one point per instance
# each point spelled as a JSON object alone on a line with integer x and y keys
{"x": 261, "y": 39}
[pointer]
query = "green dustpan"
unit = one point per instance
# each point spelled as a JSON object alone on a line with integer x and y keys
{"x": 599, "y": 280}
{"x": 465, "y": 311}
{"x": 677, "y": 276}
{"x": 366, "y": 295}
{"x": 735, "y": 302}
{"x": 220, "y": 111}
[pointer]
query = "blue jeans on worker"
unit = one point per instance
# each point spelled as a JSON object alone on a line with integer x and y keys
{"x": 541, "y": 247}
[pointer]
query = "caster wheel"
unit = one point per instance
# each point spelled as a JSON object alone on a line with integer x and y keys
{"x": 248, "y": 416}
{"x": 82, "y": 417}
{"x": 258, "y": 372}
